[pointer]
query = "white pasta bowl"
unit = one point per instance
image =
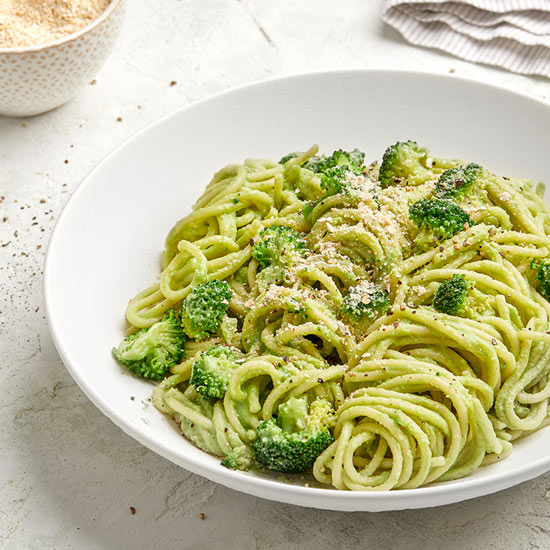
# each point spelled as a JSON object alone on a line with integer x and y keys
{"x": 107, "y": 243}
{"x": 37, "y": 79}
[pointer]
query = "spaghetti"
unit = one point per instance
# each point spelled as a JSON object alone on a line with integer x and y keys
{"x": 419, "y": 395}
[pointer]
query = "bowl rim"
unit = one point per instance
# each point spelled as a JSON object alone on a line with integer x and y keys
{"x": 435, "y": 494}
{"x": 105, "y": 14}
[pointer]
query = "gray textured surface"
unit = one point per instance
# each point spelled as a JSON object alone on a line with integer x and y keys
{"x": 68, "y": 476}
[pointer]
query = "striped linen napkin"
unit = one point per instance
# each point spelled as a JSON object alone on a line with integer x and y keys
{"x": 513, "y": 34}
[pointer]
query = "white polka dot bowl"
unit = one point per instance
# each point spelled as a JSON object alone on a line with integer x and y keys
{"x": 37, "y": 79}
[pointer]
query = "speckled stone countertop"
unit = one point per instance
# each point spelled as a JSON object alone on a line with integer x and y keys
{"x": 69, "y": 477}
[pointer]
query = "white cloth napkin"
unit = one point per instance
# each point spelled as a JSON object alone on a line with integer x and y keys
{"x": 513, "y": 34}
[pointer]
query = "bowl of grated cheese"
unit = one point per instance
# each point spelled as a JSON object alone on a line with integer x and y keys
{"x": 50, "y": 49}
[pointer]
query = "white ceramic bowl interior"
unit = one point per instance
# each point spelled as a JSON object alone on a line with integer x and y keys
{"x": 107, "y": 243}
{"x": 36, "y": 79}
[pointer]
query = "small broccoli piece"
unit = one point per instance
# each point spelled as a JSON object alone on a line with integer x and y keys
{"x": 292, "y": 443}
{"x": 277, "y": 244}
{"x": 364, "y": 301}
{"x": 290, "y": 156}
{"x": 456, "y": 182}
{"x": 355, "y": 158}
{"x": 334, "y": 181}
{"x": 240, "y": 458}
{"x": 441, "y": 216}
{"x": 203, "y": 309}
{"x": 451, "y": 295}
{"x": 152, "y": 352}
{"x": 543, "y": 276}
{"x": 275, "y": 251}
{"x": 212, "y": 373}
{"x": 352, "y": 160}
{"x": 401, "y": 161}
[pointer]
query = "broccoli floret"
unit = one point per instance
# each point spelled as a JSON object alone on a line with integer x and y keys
{"x": 334, "y": 181}
{"x": 451, "y": 295}
{"x": 352, "y": 160}
{"x": 443, "y": 217}
{"x": 543, "y": 276}
{"x": 292, "y": 443}
{"x": 212, "y": 373}
{"x": 275, "y": 251}
{"x": 456, "y": 182}
{"x": 240, "y": 458}
{"x": 277, "y": 244}
{"x": 401, "y": 161}
{"x": 203, "y": 309}
{"x": 364, "y": 301}
{"x": 152, "y": 352}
